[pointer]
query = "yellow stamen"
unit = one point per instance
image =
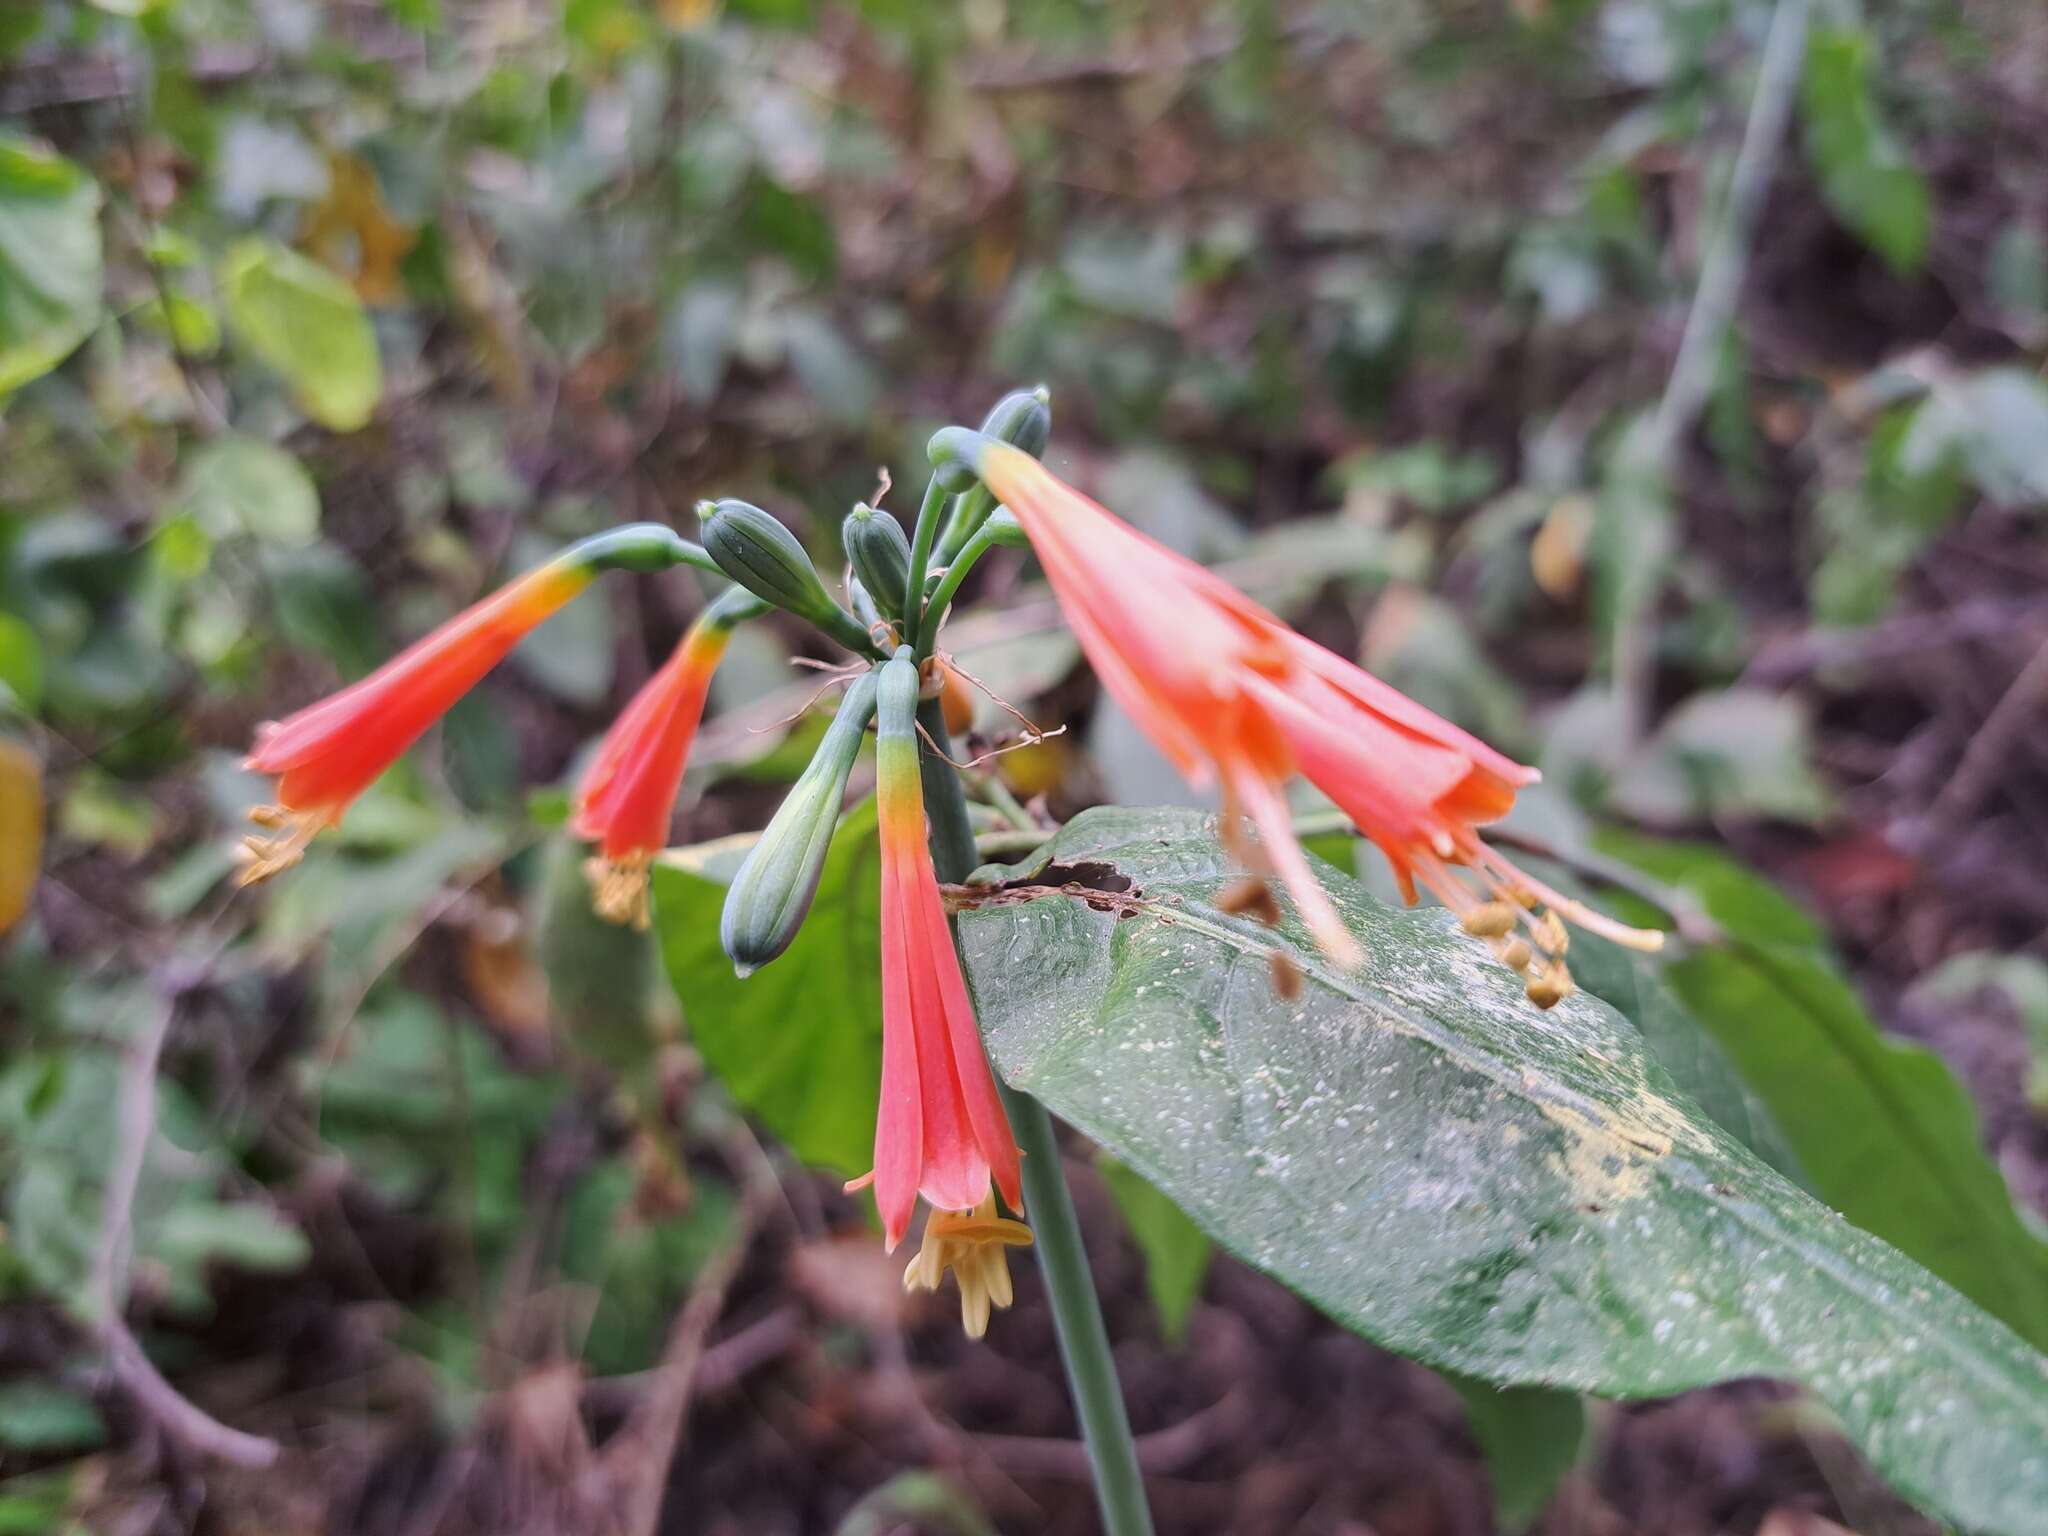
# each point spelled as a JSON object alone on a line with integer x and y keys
{"x": 1515, "y": 954}
{"x": 262, "y": 857}
{"x": 618, "y": 889}
{"x": 970, "y": 1244}
{"x": 1550, "y": 988}
{"x": 1489, "y": 920}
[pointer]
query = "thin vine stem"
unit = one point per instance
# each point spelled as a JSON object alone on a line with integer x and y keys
{"x": 1062, "y": 1258}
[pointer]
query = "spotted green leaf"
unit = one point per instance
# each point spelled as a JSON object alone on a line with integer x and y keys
{"x": 1526, "y": 1198}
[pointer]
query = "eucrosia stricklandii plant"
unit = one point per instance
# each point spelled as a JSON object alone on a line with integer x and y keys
{"x": 1230, "y": 693}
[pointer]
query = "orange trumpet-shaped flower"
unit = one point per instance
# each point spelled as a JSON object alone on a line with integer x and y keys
{"x": 940, "y": 1131}
{"x": 330, "y": 752}
{"x": 629, "y": 791}
{"x": 1232, "y": 694}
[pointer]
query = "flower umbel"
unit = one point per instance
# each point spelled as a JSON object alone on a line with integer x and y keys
{"x": 1230, "y": 693}
{"x": 330, "y": 752}
{"x": 971, "y": 1244}
{"x": 629, "y": 791}
{"x": 940, "y": 1131}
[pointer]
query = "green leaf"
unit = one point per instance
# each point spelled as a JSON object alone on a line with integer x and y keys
{"x": 1523, "y": 1197}
{"x": 36, "y": 1417}
{"x": 931, "y": 1502}
{"x": 2016, "y": 272}
{"x": 247, "y": 1236}
{"x": 1864, "y": 176}
{"x": 55, "y": 1110}
{"x": 637, "y": 1266}
{"x": 192, "y": 327}
{"x": 1634, "y": 985}
{"x": 1176, "y": 1251}
{"x": 243, "y": 485}
{"x": 1880, "y": 1128}
{"x": 1530, "y": 1437}
{"x": 1733, "y": 753}
{"x": 21, "y": 661}
{"x": 799, "y": 1042}
{"x": 1994, "y": 423}
{"x": 306, "y": 323}
{"x": 49, "y": 259}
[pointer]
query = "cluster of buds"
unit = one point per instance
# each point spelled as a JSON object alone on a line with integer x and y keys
{"x": 1228, "y": 692}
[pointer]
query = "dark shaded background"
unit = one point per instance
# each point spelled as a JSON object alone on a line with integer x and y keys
{"x": 1407, "y": 275}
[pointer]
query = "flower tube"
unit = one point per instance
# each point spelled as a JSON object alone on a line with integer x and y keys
{"x": 628, "y": 794}
{"x": 940, "y": 1131}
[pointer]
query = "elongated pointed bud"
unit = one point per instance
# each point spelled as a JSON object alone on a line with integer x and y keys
{"x": 764, "y": 557}
{"x": 1022, "y": 418}
{"x": 771, "y": 895}
{"x": 880, "y": 555}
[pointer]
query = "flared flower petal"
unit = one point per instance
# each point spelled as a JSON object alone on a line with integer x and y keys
{"x": 1231, "y": 694}
{"x": 328, "y": 753}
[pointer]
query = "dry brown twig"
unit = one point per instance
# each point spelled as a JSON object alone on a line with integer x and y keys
{"x": 636, "y": 1460}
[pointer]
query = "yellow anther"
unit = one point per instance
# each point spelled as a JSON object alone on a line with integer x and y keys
{"x": 618, "y": 889}
{"x": 1286, "y": 976}
{"x": 1550, "y": 988}
{"x": 971, "y": 1244}
{"x": 262, "y": 857}
{"x": 1489, "y": 920}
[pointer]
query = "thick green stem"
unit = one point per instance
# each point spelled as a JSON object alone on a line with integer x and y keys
{"x": 969, "y": 513}
{"x": 1069, "y": 1283}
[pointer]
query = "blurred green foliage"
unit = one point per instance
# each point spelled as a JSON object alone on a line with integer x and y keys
{"x": 317, "y": 320}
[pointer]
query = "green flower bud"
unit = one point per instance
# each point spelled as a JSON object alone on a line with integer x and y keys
{"x": 1022, "y": 418}
{"x": 880, "y": 554}
{"x": 897, "y": 704}
{"x": 764, "y": 557}
{"x": 955, "y": 453}
{"x": 771, "y": 895}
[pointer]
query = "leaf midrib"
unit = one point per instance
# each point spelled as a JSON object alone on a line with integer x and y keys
{"x": 1392, "y": 1015}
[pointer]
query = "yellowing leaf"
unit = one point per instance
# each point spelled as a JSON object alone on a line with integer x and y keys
{"x": 352, "y": 223}
{"x": 21, "y": 829}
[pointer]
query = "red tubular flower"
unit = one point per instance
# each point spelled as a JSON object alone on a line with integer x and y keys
{"x": 629, "y": 791}
{"x": 940, "y": 1132}
{"x": 330, "y": 752}
{"x": 1232, "y": 694}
